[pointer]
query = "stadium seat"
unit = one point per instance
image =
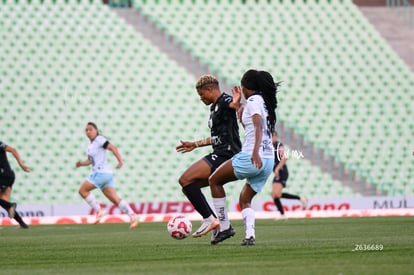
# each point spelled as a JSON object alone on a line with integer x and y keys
{"x": 70, "y": 62}
{"x": 356, "y": 86}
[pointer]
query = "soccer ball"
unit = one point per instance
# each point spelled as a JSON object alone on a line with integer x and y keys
{"x": 179, "y": 227}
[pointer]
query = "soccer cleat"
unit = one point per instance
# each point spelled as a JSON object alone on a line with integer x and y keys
{"x": 12, "y": 210}
{"x": 222, "y": 235}
{"x": 282, "y": 217}
{"x": 248, "y": 241}
{"x": 304, "y": 201}
{"x": 134, "y": 222}
{"x": 214, "y": 233}
{"x": 23, "y": 226}
{"x": 206, "y": 226}
{"x": 101, "y": 213}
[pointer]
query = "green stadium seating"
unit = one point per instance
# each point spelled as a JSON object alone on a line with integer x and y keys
{"x": 64, "y": 63}
{"x": 343, "y": 84}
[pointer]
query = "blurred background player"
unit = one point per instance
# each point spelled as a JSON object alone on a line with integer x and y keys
{"x": 281, "y": 175}
{"x": 225, "y": 141}
{"x": 7, "y": 178}
{"x": 255, "y": 161}
{"x": 102, "y": 176}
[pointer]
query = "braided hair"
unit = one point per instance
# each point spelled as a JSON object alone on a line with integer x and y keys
{"x": 262, "y": 82}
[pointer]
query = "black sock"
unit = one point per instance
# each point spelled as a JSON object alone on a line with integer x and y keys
{"x": 19, "y": 220}
{"x": 5, "y": 204}
{"x": 208, "y": 205}
{"x": 196, "y": 197}
{"x": 279, "y": 206}
{"x": 290, "y": 196}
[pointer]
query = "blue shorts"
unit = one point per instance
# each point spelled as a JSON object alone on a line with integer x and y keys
{"x": 101, "y": 180}
{"x": 244, "y": 169}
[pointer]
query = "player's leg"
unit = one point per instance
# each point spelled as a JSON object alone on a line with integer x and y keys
{"x": 277, "y": 188}
{"x": 10, "y": 207}
{"x": 303, "y": 199}
{"x": 85, "y": 192}
{"x": 191, "y": 181}
{"x": 245, "y": 199}
{"x": 224, "y": 174}
{"x": 290, "y": 196}
{"x": 204, "y": 183}
{"x": 220, "y": 177}
{"x": 254, "y": 185}
{"x": 112, "y": 195}
{"x": 5, "y": 196}
{"x": 6, "y": 182}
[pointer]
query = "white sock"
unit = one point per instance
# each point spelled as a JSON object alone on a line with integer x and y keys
{"x": 210, "y": 218}
{"x": 93, "y": 203}
{"x": 248, "y": 219}
{"x": 125, "y": 208}
{"x": 221, "y": 210}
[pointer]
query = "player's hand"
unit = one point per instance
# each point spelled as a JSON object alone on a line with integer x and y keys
{"x": 277, "y": 175}
{"x": 120, "y": 164}
{"x": 185, "y": 146}
{"x": 78, "y": 164}
{"x": 256, "y": 160}
{"x": 25, "y": 168}
{"x": 236, "y": 90}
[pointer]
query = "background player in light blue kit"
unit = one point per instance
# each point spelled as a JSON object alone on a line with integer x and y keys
{"x": 102, "y": 176}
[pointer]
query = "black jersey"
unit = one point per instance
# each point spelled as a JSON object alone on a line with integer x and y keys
{"x": 279, "y": 155}
{"x": 224, "y": 129}
{"x": 5, "y": 168}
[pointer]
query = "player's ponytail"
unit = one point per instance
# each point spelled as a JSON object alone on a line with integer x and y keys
{"x": 269, "y": 89}
{"x": 263, "y": 83}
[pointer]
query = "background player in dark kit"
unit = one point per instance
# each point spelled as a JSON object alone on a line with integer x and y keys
{"x": 281, "y": 176}
{"x": 7, "y": 178}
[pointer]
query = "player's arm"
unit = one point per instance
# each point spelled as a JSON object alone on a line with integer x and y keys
{"x": 235, "y": 104}
{"x": 279, "y": 166}
{"x": 188, "y": 146}
{"x": 280, "y": 155}
{"x": 257, "y": 122}
{"x": 240, "y": 112}
{"x": 83, "y": 163}
{"x": 16, "y": 155}
{"x": 116, "y": 153}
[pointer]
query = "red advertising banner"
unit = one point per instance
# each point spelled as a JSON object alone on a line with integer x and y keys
{"x": 147, "y": 208}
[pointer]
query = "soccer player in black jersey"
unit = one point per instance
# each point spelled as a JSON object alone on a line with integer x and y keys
{"x": 7, "y": 180}
{"x": 281, "y": 175}
{"x": 225, "y": 141}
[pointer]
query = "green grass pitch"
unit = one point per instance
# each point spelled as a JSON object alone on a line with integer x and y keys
{"x": 295, "y": 246}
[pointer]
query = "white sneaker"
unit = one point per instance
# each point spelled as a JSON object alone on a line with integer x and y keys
{"x": 304, "y": 201}
{"x": 134, "y": 222}
{"x": 101, "y": 213}
{"x": 281, "y": 218}
{"x": 206, "y": 226}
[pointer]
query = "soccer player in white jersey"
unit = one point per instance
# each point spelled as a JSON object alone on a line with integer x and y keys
{"x": 102, "y": 176}
{"x": 256, "y": 159}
